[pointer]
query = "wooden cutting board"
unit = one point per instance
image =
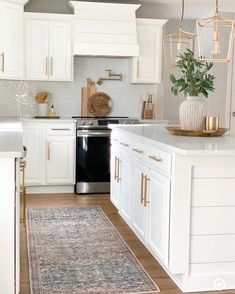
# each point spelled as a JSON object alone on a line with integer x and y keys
{"x": 99, "y": 104}
{"x": 87, "y": 91}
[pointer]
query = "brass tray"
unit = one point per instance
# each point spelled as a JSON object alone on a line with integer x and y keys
{"x": 176, "y": 130}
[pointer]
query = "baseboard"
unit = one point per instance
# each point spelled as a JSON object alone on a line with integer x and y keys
{"x": 49, "y": 189}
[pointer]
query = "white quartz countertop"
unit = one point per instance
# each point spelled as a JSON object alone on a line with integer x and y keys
{"x": 159, "y": 136}
{"x": 51, "y": 120}
{"x": 11, "y": 137}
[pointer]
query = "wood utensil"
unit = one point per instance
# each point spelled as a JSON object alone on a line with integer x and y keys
{"x": 43, "y": 97}
{"x": 99, "y": 104}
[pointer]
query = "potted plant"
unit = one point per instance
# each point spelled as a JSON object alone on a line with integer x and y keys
{"x": 195, "y": 80}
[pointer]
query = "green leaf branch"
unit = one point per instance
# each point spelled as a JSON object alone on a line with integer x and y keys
{"x": 195, "y": 78}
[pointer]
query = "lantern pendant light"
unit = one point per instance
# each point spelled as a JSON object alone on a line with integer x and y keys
{"x": 215, "y": 38}
{"x": 177, "y": 43}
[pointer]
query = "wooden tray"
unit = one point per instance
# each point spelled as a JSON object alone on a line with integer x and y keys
{"x": 176, "y": 130}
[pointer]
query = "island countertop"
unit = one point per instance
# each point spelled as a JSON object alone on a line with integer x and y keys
{"x": 159, "y": 136}
{"x": 11, "y": 137}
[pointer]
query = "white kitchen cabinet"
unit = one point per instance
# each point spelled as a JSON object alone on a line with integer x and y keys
{"x": 140, "y": 180}
{"x": 115, "y": 176}
{"x": 49, "y": 47}
{"x": 34, "y": 140}
{"x": 50, "y": 159}
{"x": 146, "y": 68}
{"x": 60, "y": 160}
{"x": 11, "y": 42}
{"x": 139, "y": 211}
{"x": 126, "y": 187}
{"x": 158, "y": 213}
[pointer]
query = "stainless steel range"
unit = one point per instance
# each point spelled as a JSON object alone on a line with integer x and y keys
{"x": 93, "y": 153}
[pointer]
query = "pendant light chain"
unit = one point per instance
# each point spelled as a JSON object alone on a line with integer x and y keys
{"x": 217, "y": 7}
{"x": 182, "y": 16}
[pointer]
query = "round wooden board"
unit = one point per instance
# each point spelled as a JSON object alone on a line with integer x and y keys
{"x": 176, "y": 130}
{"x": 99, "y": 104}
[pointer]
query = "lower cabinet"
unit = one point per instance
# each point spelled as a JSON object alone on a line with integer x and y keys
{"x": 50, "y": 158}
{"x": 142, "y": 195}
{"x": 60, "y": 160}
{"x": 125, "y": 187}
{"x": 151, "y": 196}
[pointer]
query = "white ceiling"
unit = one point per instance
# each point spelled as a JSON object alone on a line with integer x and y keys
{"x": 193, "y": 8}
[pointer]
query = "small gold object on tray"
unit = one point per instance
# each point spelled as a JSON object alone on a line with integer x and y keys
{"x": 176, "y": 130}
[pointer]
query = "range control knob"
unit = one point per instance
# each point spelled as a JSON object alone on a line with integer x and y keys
{"x": 83, "y": 123}
{"x": 90, "y": 123}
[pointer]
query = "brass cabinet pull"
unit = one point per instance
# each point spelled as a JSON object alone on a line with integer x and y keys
{"x": 61, "y": 129}
{"x": 124, "y": 144}
{"x": 233, "y": 113}
{"x": 49, "y": 151}
{"x": 115, "y": 169}
{"x": 46, "y": 66}
{"x": 3, "y": 62}
{"x": 118, "y": 170}
{"x": 51, "y": 66}
{"x": 142, "y": 188}
{"x": 146, "y": 179}
{"x": 153, "y": 157}
{"x": 137, "y": 150}
{"x": 138, "y": 68}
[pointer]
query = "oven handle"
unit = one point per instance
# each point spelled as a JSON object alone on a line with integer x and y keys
{"x": 90, "y": 133}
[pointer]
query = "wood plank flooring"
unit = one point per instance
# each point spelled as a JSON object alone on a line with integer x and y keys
{"x": 165, "y": 284}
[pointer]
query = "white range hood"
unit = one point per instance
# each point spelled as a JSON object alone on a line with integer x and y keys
{"x": 105, "y": 29}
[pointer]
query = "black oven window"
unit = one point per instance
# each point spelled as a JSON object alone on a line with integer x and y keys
{"x": 93, "y": 155}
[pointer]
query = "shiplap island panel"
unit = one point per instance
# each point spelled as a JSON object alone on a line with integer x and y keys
{"x": 182, "y": 195}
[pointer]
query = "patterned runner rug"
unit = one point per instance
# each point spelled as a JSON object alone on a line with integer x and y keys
{"x": 78, "y": 250}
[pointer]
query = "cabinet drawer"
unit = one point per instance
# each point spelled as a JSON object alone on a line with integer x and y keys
{"x": 139, "y": 150}
{"x": 159, "y": 159}
{"x": 60, "y": 129}
{"x": 125, "y": 143}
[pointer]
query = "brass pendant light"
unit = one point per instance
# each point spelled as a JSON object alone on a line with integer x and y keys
{"x": 215, "y": 38}
{"x": 176, "y": 43}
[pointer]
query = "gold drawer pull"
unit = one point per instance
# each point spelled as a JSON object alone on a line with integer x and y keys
{"x": 124, "y": 144}
{"x": 115, "y": 169}
{"x": 3, "y": 62}
{"x": 49, "y": 151}
{"x": 142, "y": 189}
{"x": 61, "y": 129}
{"x": 137, "y": 150}
{"x": 158, "y": 159}
{"x": 146, "y": 179}
{"x": 118, "y": 170}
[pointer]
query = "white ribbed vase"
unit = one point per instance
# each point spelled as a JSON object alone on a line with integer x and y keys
{"x": 192, "y": 113}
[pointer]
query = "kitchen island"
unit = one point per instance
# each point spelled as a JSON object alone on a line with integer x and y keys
{"x": 177, "y": 194}
{"x": 11, "y": 147}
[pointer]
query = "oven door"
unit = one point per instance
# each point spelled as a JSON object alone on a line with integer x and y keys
{"x": 92, "y": 161}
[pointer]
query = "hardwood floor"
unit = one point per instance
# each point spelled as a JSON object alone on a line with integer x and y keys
{"x": 165, "y": 284}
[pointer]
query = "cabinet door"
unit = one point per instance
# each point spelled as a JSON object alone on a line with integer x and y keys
{"x": 11, "y": 44}
{"x": 126, "y": 187}
{"x": 158, "y": 215}
{"x": 37, "y": 51}
{"x": 114, "y": 176}
{"x": 147, "y": 67}
{"x": 33, "y": 139}
{"x": 60, "y": 164}
{"x": 139, "y": 211}
{"x": 61, "y": 59}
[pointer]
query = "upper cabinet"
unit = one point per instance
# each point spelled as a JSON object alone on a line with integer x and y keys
{"x": 11, "y": 40}
{"x": 146, "y": 68}
{"x": 49, "y": 47}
